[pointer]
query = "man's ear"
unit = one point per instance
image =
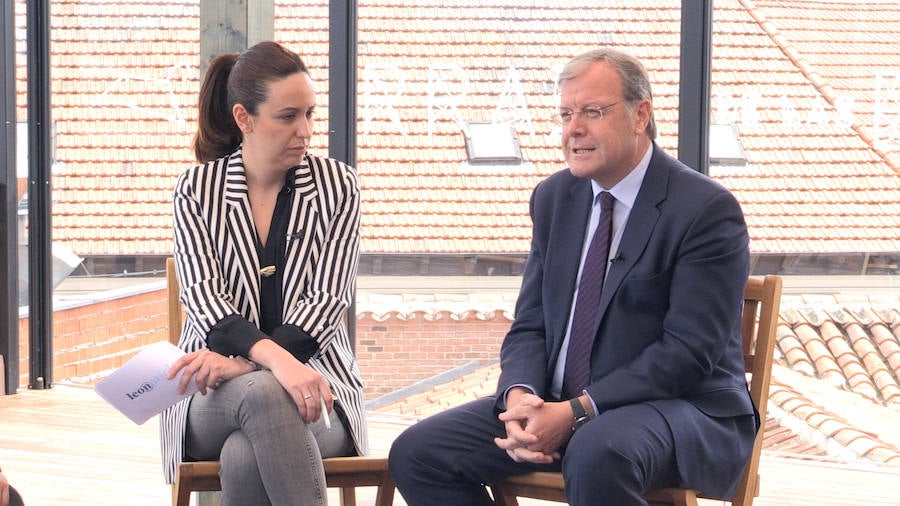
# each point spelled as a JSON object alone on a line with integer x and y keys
{"x": 642, "y": 115}
{"x": 242, "y": 118}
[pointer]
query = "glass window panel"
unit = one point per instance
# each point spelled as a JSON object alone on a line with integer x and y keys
{"x": 124, "y": 82}
{"x": 426, "y": 73}
{"x": 810, "y": 90}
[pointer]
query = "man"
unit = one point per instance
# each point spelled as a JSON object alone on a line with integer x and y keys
{"x": 659, "y": 398}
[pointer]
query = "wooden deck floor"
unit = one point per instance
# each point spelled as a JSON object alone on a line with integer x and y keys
{"x": 66, "y": 447}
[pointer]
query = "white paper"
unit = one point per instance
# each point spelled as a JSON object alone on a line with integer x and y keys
{"x": 139, "y": 389}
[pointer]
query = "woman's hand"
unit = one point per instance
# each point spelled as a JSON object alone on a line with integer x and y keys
{"x": 307, "y": 388}
{"x": 207, "y": 369}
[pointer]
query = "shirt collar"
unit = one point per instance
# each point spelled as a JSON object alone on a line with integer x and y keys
{"x": 626, "y": 190}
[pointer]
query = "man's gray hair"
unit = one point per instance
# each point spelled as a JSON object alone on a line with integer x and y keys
{"x": 635, "y": 83}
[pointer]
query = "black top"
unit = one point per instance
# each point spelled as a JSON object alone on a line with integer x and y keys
{"x": 272, "y": 254}
{"x": 234, "y": 334}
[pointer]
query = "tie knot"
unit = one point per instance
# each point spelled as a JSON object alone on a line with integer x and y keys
{"x": 606, "y": 201}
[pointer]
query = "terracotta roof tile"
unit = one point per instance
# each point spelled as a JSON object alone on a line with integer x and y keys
{"x": 841, "y": 404}
{"x": 811, "y": 32}
{"x": 830, "y": 432}
{"x": 124, "y": 92}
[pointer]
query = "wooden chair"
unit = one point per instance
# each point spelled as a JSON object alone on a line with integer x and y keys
{"x": 345, "y": 473}
{"x": 762, "y": 299}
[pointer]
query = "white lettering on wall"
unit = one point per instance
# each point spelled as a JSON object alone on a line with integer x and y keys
{"x": 817, "y": 115}
{"x": 749, "y": 108}
{"x": 383, "y": 91}
{"x": 727, "y": 110}
{"x": 448, "y": 87}
{"x": 512, "y": 108}
{"x": 789, "y": 115}
{"x": 887, "y": 111}
{"x": 112, "y": 96}
{"x": 843, "y": 112}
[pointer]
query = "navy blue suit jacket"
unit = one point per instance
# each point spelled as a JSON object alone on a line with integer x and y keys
{"x": 669, "y": 315}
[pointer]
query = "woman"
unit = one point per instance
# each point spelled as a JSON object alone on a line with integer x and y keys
{"x": 266, "y": 247}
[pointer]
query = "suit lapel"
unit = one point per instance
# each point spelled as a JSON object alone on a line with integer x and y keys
{"x": 638, "y": 228}
{"x": 565, "y": 252}
{"x": 303, "y": 234}
{"x": 241, "y": 260}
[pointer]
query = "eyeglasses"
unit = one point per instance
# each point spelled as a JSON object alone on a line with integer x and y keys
{"x": 592, "y": 113}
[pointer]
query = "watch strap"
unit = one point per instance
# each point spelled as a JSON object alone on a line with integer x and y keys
{"x": 579, "y": 416}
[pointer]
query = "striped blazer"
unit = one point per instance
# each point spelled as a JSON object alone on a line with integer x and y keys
{"x": 218, "y": 270}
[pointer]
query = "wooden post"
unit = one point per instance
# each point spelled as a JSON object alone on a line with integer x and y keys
{"x": 230, "y": 26}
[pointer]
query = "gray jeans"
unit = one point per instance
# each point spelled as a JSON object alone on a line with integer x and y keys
{"x": 268, "y": 455}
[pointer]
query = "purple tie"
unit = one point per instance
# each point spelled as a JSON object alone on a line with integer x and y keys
{"x": 577, "y": 373}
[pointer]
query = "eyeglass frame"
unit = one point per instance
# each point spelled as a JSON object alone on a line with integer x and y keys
{"x": 589, "y": 113}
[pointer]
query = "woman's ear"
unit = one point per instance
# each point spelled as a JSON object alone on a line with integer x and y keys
{"x": 242, "y": 118}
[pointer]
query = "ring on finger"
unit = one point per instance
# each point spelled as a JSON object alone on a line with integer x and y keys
{"x": 307, "y": 396}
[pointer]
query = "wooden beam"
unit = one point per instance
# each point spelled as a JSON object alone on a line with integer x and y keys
{"x": 230, "y": 26}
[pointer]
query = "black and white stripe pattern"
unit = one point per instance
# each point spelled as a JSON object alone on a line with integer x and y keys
{"x": 218, "y": 270}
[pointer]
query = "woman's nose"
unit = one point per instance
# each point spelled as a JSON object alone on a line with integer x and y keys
{"x": 304, "y": 128}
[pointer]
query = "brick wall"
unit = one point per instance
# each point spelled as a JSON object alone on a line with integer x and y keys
{"x": 92, "y": 340}
{"x": 399, "y": 352}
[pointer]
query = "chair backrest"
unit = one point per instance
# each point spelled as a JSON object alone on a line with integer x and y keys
{"x": 346, "y": 473}
{"x": 762, "y": 300}
{"x": 174, "y": 303}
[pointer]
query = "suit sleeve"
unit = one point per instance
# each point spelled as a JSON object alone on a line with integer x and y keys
{"x": 523, "y": 354}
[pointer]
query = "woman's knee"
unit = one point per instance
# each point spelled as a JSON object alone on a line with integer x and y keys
{"x": 237, "y": 457}
{"x": 240, "y": 476}
{"x": 262, "y": 391}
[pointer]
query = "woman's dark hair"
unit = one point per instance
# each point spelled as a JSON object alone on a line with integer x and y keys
{"x": 237, "y": 79}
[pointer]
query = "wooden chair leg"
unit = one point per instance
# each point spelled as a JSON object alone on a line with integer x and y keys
{"x": 181, "y": 494}
{"x": 502, "y": 497}
{"x": 348, "y": 496}
{"x": 385, "y": 494}
{"x": 672, "y": 496}
{"x": 344, "y": 473}
{"x": 209, "y": 498}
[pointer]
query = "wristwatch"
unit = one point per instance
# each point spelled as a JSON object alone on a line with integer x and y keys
{"x": 578, "y": 413}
